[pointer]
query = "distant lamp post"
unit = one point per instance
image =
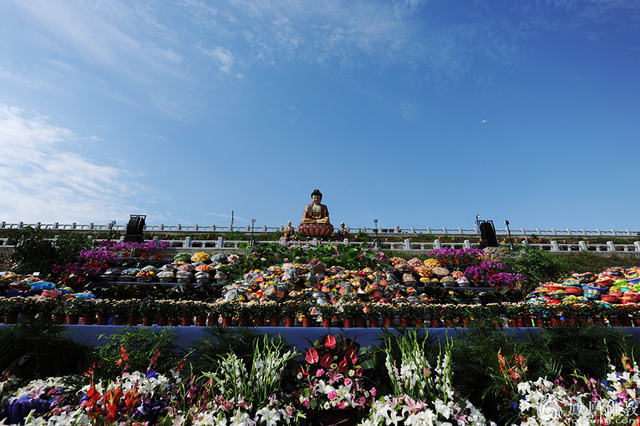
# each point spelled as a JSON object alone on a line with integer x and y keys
{"x": 376, "y": 242}
{"x": 506, "y": 222}
{"x": 252, "y": 241}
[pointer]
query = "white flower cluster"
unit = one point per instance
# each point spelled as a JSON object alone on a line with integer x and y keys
{"x": 423, "y": 396}
{"x": 394, "y": 410}
{"x": 613, "y": 401}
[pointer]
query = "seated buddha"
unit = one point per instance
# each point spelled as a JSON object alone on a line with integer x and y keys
{"x": 316, "y": 212}
{"x": 315, "y": 218}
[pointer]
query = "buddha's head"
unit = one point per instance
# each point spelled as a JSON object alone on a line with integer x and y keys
{"x": 316, "y": 197}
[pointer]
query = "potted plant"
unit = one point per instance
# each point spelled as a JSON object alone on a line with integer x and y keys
{"x": 46, "y": 307}
{"x": 59, "y": 315}
{"x": 407, "y": 312}
{"x": 104, "y": 308}
{"x": 226, "y": 310}
{"x": 167, "y": 311}
{"x": 186, "y": 311}
{"x": 243, "y": 313}
{"x": 11, "y": 307}
{"x": 432, "y": 313}
{"x": 513, "y": 313}
{"x": 480, "y": 315}
{"x": 372, "y": 313}
{"x": 449, "y": 314}
{"x": 327, "y": 312}
{"x": 119, "y": 311}
{"x": 88, "y": 310}
{"x": 212, "y": 313}
{"x": 257, "y": 312}
{"x": 148, "y": 309}
{"x": 350, "y": 311}
{"x": 29, "y": 308}
{"x": 386, "y": 311}
{"x": 290, "y": 309}
{"x": 540, "y": 315}
{"x": 304, "y": 313}
{"x": 273, "y": 311}
{"x": 200, "y": 312}
{"x": 72, "y": 310}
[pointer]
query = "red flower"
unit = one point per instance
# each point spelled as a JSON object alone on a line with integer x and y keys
{"x": 325, "y": 362}
{"x": 302, "y": 371}
{"x": 312, "y": 356}
{"x": 330, "y": 343}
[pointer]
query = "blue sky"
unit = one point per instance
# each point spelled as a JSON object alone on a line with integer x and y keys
{"x": 188, "y": 110}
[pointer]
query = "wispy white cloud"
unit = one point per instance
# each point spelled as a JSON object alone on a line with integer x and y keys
{"x": 159, "y": 51}
{"x": 409, "y": 111}
{"x": 221, "y": 56}
{"x": 41, "y": 179}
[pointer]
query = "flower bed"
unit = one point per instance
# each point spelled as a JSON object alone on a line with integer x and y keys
{"x": 357, "y": 286}
{"x": 337, "y": 379}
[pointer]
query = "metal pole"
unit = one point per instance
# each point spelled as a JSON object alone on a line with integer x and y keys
{"x": 376, "y": 242}
{"x": 252, "y": 242}
{"x": 506, "y": 222}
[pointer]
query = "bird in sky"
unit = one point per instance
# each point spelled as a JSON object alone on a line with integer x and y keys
{"x": 484, "y": 121}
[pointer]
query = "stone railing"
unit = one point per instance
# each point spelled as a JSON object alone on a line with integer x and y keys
{"x": 521, "y": 232}
{"x": 222, "y": 245}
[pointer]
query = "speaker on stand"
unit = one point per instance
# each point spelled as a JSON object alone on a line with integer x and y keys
{"x": 135, "y": 228}
{"x": 487, "y": 233}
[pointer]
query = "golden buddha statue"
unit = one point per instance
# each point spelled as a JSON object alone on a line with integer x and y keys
{"x": 315, "y": 218}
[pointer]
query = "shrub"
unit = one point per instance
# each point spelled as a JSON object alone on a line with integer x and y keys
{"x": 141, "y": 344}
{"x": 39, "y": 350}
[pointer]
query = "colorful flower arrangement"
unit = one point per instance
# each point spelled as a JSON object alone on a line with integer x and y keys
{"x": 332, "y": 377}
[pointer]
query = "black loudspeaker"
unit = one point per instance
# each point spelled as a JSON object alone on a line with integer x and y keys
{"x": 488, "y": 234}
{"x": 135, "y": 228}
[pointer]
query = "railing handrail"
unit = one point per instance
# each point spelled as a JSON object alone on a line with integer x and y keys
{"x": 522, "y": 232}
{"x": 407, "y": 245}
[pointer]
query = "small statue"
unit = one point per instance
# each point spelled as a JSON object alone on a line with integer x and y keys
{"x": 289, "y": 231}
{"x": 315, "y": 218}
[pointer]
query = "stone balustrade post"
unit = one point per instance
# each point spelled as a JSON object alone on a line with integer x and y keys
{"x": 220, "y": 243}
{"x": 637, "y": 246}
{"x": 554, "y": 246}
{"x": 611, "y": 246}
{"x": 407, "y": 244}
{"x": 437, "y": 244}
{"x": 583, "y": 246}
{"x": 467, "y": 244}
